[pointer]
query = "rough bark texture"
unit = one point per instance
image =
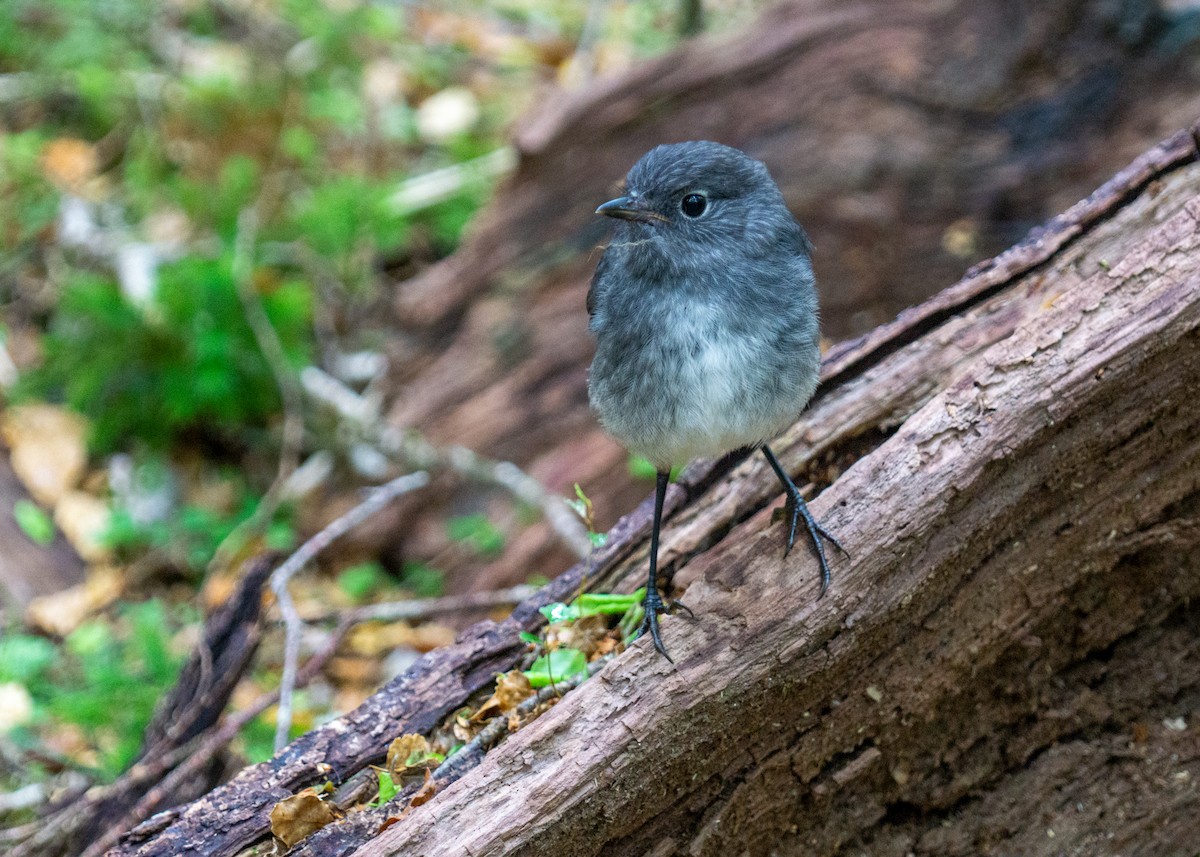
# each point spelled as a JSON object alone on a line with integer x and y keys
{"x": 1014, "y": 466}
{"x": 1008, "y": 664}
{"x": 910, "y": 138}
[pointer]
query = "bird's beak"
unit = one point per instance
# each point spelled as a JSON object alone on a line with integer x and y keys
{"x": 629, "y": 208}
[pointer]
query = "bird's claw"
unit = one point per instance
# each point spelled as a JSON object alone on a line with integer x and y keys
{"x": 654, "y": 604}
{"x": 796, "y": 509}
{"x": 679, "y": 605}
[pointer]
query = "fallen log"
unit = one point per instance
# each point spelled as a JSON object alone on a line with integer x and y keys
{"x": 1015, "y": 634}
{"x": 1015, "y": 468}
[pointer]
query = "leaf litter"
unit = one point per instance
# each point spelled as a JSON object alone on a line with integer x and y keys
{"x": 577, "y": 641}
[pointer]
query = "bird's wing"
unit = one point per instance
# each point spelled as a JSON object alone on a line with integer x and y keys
{"x": 803, "y": 242}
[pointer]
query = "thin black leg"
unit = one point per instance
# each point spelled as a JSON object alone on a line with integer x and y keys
{"x": 795, "y": 509}
{"x": 653, "y": 602}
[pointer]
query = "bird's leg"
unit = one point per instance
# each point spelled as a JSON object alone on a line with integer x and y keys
{"x": 653, "y": 602}
{"x": 794, "y": 509}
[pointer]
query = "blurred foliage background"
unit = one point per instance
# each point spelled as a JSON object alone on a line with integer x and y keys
{"x": 198, "y": 199}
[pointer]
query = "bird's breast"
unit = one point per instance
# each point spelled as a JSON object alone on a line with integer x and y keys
{"x": 693, "y": 381}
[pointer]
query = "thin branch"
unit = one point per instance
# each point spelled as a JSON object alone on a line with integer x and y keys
{"x": 423, "y": 608}
{"x": 583, "y": 61}
{"x": 25, "y": 797}
{"x": 429, "y": 189}
{"x": 376, "y": 501}
{"x": 414, "y": 451}
{"x": 285, "y": 379}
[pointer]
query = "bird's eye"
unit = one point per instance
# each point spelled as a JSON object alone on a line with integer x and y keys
{"x": 693, "y": 204}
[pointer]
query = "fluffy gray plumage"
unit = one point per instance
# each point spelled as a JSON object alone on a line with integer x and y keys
{"x": 705, "y": 326}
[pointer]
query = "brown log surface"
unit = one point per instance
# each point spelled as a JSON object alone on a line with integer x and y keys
{"x": 1021, "y": 494}
{"x": 1020, "y": 540}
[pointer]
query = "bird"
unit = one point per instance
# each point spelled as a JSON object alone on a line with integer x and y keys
{"x": 704, "y": 311}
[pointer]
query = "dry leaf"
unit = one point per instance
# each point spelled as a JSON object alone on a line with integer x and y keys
{"x": 69, "y": 163}
{"x": 350, "y": 698}
{"x": 49, "y": 449}
{"x": 611, "y": 643}
{"x": 373, "y": 639}
{"x": 407, "y": 751}
{"x": 356, "y": 671}
{"x": 69, "y": 741}
{"x": 464, "y": 729}
{"x": 296, "y": 817}
{"x": 432, "y": 635}
{"x": 60, "y": 613}
{"x": 390, "y": 820}
{"x": 83, "y": 520}
{"x": 512, "y": 688}
{"x": 16, "y": 706}
{"x": 219, "y": 587}
{"x": 586, "y": 634}
{"x": 448, "y": 114}
{"x": 426, "y": 792}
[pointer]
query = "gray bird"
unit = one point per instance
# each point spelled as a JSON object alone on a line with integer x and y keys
{"x": 705, "y": 316}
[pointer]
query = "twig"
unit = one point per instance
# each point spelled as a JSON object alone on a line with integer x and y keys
{"x": 584, "y": 59}
{"x": 285, "y": 379}
{"x": 8, "y": 368}
{"x": 23, "y": 798}
{"x": 428, "y": 189}
{"x": 423, "y": 608}
{"x": 293, "y": 624}
{"x": 414, "y": 451}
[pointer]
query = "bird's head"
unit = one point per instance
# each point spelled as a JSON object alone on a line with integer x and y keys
{"x": 688, "y": 196}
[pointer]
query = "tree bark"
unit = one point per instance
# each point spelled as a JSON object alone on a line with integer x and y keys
{"x": 910, "y": 139}
{"x": 1008, "y": 664}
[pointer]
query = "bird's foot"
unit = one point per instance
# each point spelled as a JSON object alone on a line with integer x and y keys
{"x": 654, "y": 604}
{"x": 795, "y": 510}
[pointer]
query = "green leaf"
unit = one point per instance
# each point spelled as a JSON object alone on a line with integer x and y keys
{"x": 361, "y": 581}
{"x": 640, "y": 468}
{"x": 530, "y": 638}
{"x": 90, "y": 638}
{"x": 387, "y": 789}
{"x": 23, "y": 658}
{"x": 280, "y": 536}
{"x": 417, "y": 757}
{"x": 558, "y": 665}
{"x": 299, "y": 144}
{"x": 34, "y": 522}
{"x": 608, "y": 603}
{"x": 477, "y": 531}
{"x": 593, "y": 604}
{"x": 559, "y": 612}
{"x": 425, "y": 581}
